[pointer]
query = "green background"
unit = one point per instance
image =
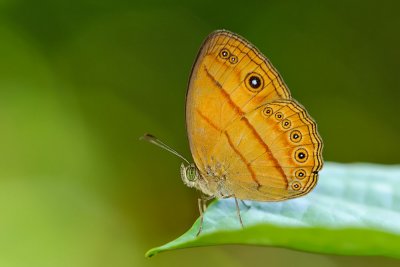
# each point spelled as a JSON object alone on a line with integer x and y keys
{"x": 81, "y": 81}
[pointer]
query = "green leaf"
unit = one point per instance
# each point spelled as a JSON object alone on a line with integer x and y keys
{"x": 354, "y": 210}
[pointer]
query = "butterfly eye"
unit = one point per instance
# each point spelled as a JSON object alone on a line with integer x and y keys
{"x": 254, "y": 82}
{"x": 224, "y": 53}
{"x": 301, "y": 155}
{"x": 233, "y": 59}
{"x": 286, "y": 124}
{"x": 191, "y": 173}
{"x": 296, "y": 185}
{"x": 300, "y": 174}
{"x": 295, "y": 136}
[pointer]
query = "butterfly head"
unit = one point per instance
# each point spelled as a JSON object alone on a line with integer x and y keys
{"x": 190, "y": 174}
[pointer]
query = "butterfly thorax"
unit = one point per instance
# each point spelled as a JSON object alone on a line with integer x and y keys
{"x": 212, "y": 182}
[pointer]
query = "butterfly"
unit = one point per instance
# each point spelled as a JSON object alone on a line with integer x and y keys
{"x": 249, "y": 138}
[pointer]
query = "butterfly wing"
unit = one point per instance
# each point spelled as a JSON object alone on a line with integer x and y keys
{"x": 219, "y": 88}
{"x": 230, "y": 80}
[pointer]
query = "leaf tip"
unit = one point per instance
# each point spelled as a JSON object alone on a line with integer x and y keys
{"x": 151, "y": 252}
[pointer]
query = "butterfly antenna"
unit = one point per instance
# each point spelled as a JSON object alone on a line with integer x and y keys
{"x": 152, "y": 139}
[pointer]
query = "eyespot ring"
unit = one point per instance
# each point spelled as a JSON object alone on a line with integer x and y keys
{"x": 295, "y": 136}
{"x": 286, "y": 124}
{"x": 301, "y": 155}
{"x": 254, "y": 82}
{"x": 296, "y": 185}
{"x": 279, "y": 116}
{"x": 267, "y": 111}
{"x": 233, "y": 59}
{"x": 300, "y": 174}
{"x": 224, "y": 53}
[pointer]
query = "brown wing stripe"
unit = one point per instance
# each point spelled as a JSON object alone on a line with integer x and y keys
{"x": 253, "y": 175}
{"x": 224, "y": 93}
{"x": 241, "y": 113}
{"x": 259, "y": 139}
{"x": 208, "y": 120}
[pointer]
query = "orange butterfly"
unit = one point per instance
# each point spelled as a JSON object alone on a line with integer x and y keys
{"x": 249, "y": 138}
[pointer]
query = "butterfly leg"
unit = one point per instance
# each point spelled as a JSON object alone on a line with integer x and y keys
{"x": 238, "y": 211}
{"x": 202, "y": 201}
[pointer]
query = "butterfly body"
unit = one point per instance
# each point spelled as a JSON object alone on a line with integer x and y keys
{"x": 248, "y": 137}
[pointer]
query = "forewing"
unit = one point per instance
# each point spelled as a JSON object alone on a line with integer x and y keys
{"x": 221, "y": 89}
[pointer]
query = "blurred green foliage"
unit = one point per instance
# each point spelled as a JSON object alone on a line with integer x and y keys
{"x": 80, "y": 81}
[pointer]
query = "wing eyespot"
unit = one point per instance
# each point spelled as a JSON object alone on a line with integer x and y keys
{"x": 296, "y": 185}
{"x": 279, "y": 116}
{"x": 267, "y": 111}
{"x": 300, "y": 174}
{"x": 301, "y": 155}
{"x": 286, "y": 124}
{"x": 295, "y": 136}
{"x": 254, "y": 82}
{"x": 224, "y": 53}
{"x": 233, "y": 59}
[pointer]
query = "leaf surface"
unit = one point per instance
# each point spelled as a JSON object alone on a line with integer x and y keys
{"x": 354, "y": 210}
